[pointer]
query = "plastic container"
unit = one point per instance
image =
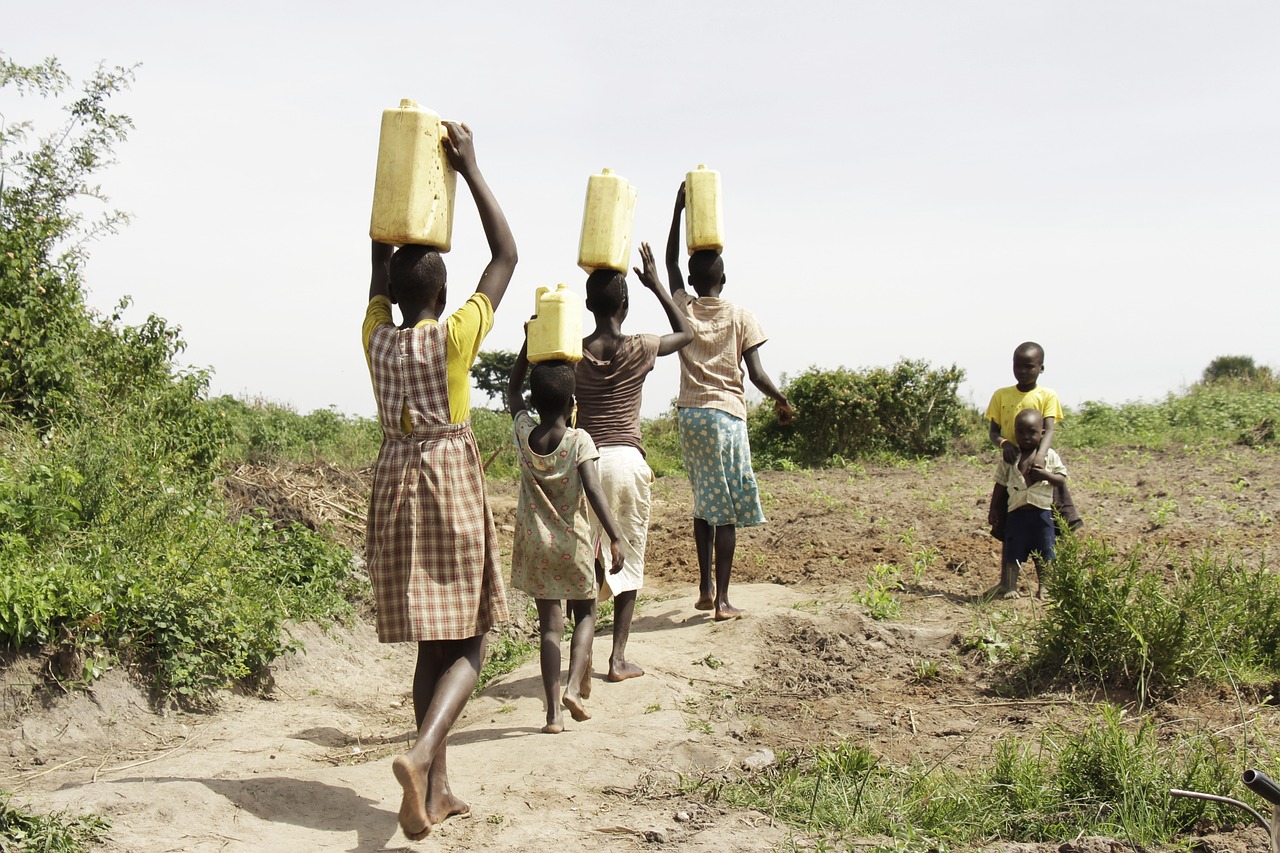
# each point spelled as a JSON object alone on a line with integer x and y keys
{"x": 555, "y": 334}
{"x": 413, "y": 187}
{"x": 704, "y": 212}
{"x": 606, "y": 223}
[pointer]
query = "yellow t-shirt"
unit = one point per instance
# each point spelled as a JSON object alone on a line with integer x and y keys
{"x": 465, "y": 329}
{"x": 1007, "y": 402}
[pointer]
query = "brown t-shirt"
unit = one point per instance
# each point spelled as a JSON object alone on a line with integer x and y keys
{"x": 608, "y": 392}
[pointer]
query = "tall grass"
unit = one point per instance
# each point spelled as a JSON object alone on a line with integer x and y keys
{"x": 1221, "y": 411}
{"x": 1152, "y": 628}
{"x": 1109, "y": 777}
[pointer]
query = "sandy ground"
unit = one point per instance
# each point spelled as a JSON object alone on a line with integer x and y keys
{"x": 308, "y": 767}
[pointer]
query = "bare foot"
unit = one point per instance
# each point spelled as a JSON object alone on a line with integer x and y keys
{"x": 622, "y": 670}
{"x": 446, "y": 806}
{"x": 585, "y": 687}
{"x": 413, "y": 805}
{"x": 704, "y": 602}
{"x": 998, "y": 591}
{"x": 576, "y": 709}
{"x": 555, "y": 722}
{"x": 723, "y": 614}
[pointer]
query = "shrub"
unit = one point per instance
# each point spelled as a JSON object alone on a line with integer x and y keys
{"x": 1220, "y": 411}
{"x": 1121, "y": 624}
{"x": 907, "y": 410}
{"x": 1240, "y": 367}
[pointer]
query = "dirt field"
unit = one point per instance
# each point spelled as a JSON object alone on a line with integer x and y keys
{"x": 308, "y": 768}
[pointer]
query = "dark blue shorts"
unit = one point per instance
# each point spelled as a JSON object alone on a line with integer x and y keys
{"x": 1028, "y": 531}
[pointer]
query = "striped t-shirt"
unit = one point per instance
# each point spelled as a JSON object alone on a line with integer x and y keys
{"x": 711, "y": 367}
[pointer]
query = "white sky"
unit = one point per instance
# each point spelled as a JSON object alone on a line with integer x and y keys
{"x": 934, "y": 180}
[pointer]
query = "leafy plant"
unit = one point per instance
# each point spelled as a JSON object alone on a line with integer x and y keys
{"x": 907, "y": 410}
{"x": 22, "y": 831}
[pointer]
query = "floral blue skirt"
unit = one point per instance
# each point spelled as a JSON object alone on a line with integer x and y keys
{"x": 717, "y": 459}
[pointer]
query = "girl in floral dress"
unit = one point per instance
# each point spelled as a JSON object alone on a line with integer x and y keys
{"x": 552, "y": 558}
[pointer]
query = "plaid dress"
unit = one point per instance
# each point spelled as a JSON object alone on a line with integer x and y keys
{"x": 432, "y": 550}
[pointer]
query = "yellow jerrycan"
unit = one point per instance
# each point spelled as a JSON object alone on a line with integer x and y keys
{"x": 555, "y": 334}
{"x": 606, "y": 223}
{"x": 413, "y": 187}
{"x": 704, "y": 212}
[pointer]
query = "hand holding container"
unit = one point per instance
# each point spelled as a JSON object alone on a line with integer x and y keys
{"x": 413, "y": 188}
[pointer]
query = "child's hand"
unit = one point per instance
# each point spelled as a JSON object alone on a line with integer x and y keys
{"x": 458, "y": 146}
{"x": 1009, "y": 452}
{"x": 615, "y": 558}
{"x": 785, "y": 413}
{"x": 1034, "y": 474}
{"x": 649, "y": 275}
{"x": 680, "y": 197}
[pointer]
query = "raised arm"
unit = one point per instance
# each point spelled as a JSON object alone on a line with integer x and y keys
{"x": 502, "y": 245}
{"x": 515, "y": 386}
{"x": 681, "y": 335}
{"x": 760, "y": 379}
{"x": 673, "y": 245}
{"x": 380, "y": 280}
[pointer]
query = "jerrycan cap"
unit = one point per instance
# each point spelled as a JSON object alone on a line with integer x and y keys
{"x": 409, "y": 104}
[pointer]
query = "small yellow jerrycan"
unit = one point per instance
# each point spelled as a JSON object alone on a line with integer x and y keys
{"x": 704, "y": 213}
{"x": 555, "y": 334}
{"x": 606, "y": 223}
{"x": 414, "y": 185}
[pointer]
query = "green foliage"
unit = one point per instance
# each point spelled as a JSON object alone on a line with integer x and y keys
{"x": 883, "y": 581}
{"x": 113, "y": 535}
{"x": 1239, "y": 367}
{"x": 24, "y": 832}
{"x": 907, "y": 410}
{"x": 258, "y": 430}
{"x": 1106, "y": 777}
{"x": 1122, "y": 624}
{"x": 502, "y": 656}
{"x": 493, "y": 438}
{"x": 492, "y": 374}
{"x": 1220, "y": 411}
{"x": 661, "y": 438}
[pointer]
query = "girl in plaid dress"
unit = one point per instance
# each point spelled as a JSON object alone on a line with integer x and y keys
{"x": 431, "y": 547}
{"x": 552, "y": 558}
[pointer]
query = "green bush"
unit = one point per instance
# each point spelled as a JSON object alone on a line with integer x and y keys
{"x": 1234, "y": 367}
{"x": 258, "y": 431}
{"x": 1121, "y": 624}
{"x": 113, "y": 535}
{"x": 907, "y": 410}
{"x": 1222, "y": 411}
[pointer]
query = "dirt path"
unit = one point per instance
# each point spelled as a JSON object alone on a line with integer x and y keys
{"x": 312, "y": 769}
{"x": 309, "y": 769}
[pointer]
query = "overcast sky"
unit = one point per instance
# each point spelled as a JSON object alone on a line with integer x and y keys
{"x": 929, "y": 180}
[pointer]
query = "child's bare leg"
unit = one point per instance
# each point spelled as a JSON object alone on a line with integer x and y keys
{"x": 441, "y": 802}
{"x": 584, "y": 632}
{"x": 446, "y": 674}
{"x": 624, "y": 607}
{"x": 726, "y": 542}
{"x": 551, "y": 627}
{"x": 702, "y": 538}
